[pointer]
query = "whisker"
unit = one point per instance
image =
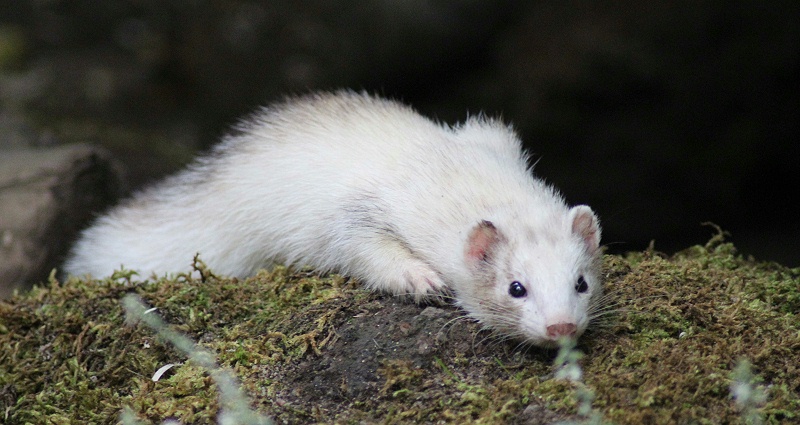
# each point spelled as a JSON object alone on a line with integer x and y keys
{"x": 462, "y": 317}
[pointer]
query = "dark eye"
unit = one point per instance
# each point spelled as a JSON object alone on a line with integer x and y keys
{"x": 581, "y": 286}
{"x": 516, "y": 290}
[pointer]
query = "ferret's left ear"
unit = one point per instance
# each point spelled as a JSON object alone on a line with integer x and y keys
{"x": 586, "y": 225}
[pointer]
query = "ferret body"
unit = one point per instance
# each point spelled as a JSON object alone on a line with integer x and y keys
{"x": 371, "y": 189}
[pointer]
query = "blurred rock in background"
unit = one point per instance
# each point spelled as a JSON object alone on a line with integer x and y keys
{"x": 661, "y": 116}
{"x": 45, "y": 195}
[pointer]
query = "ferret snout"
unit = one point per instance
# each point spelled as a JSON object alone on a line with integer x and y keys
{"x": 561, "y": 329}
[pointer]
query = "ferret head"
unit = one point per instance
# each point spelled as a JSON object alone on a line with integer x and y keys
{"x": 536, "y": 286}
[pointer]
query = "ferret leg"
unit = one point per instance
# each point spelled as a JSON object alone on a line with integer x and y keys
{"x": 387, "y": 265}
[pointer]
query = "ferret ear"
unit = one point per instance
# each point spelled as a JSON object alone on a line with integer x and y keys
{"x": 482, "y": 240}
{"x": 586, "y": 225}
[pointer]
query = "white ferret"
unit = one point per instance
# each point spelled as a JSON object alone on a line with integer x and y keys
{"x": 370, "y": 188}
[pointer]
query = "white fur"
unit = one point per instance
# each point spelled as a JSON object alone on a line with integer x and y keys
{"x": 369, "y": 188}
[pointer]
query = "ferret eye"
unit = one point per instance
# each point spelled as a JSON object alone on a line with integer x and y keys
{"x": 516, "y": 290}
{"x": 581, "y": 286}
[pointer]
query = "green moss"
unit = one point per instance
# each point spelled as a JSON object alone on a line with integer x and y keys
{"x": 693, "y": 316}
{"x": 682, "y": 324}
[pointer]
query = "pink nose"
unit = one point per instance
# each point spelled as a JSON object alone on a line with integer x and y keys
{"x": 561, "y": 329}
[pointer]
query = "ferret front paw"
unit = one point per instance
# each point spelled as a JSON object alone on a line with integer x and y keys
{"x": 422, "y": 281}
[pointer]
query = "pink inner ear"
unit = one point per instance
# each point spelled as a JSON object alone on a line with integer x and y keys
{"x": 481, "y": 239}
{"x": 584, "y": 223}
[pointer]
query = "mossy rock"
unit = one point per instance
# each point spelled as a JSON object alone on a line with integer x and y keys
{"x": 311, "y": 349}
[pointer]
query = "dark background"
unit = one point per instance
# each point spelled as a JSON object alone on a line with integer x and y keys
{"x": 660, "y": 116}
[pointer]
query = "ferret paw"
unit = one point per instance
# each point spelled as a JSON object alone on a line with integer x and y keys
{"x": 421, "y": 282}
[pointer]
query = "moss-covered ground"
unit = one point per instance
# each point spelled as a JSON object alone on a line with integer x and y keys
{"x": 310, "y": 349}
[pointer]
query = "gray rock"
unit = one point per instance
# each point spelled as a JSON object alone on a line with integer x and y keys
{"x": 46, "y": 196}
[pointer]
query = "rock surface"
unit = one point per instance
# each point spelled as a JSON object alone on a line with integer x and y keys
{"x": 46, "y": 196}
{"x": 308, "y": 349}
